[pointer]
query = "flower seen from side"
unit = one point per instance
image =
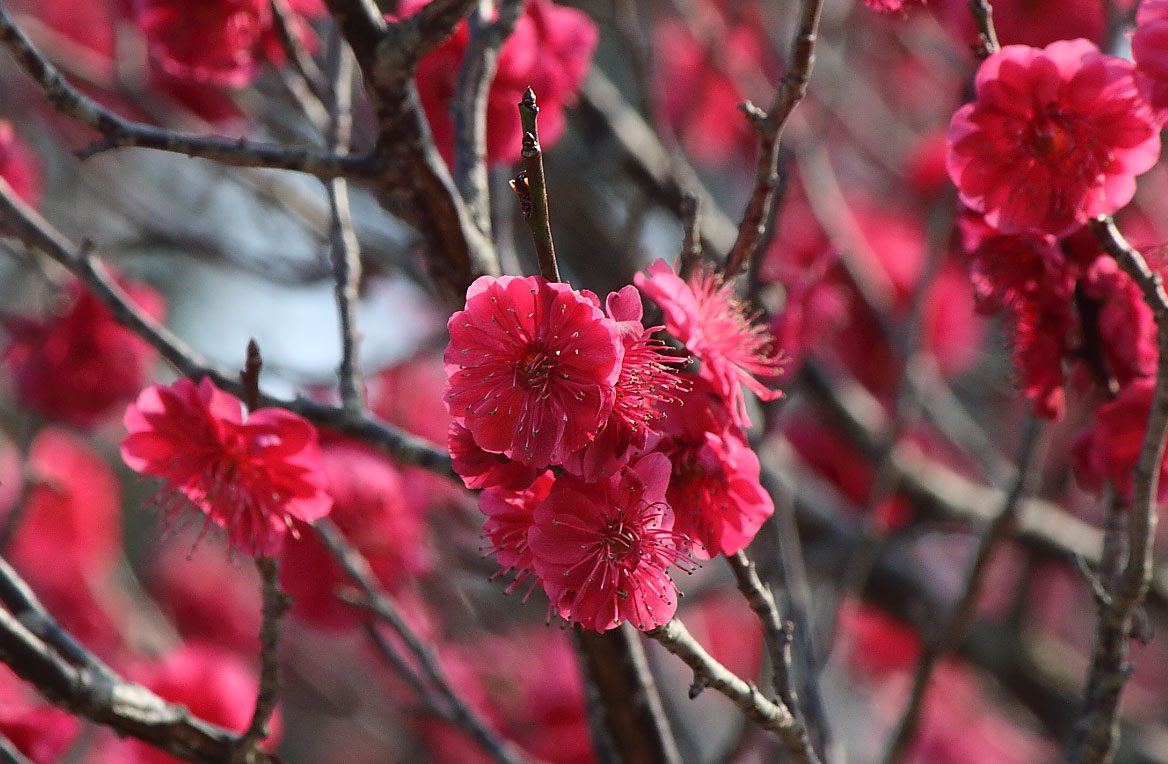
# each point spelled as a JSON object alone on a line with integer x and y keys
{"x": 251, "y": 477}
{"x": 706, "y": 315}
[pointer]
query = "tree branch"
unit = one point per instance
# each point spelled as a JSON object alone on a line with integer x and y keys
{"x": 84, "y": 686}
{"x": 275, "y": 605}
{"x": 757, "y": 216}
{"x": 1097, "y": 731}
{"x": 468, "y": 109}
{"x": 436, "y": 683}
{"x": 119, "y": 132}
{"x": 770, "y": 715}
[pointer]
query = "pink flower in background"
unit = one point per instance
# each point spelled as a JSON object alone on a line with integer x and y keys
{"x": 1026, "y": 22}
{"x": 218, "y": 42}
{"x": 250, "y": 477}
{"x": 72, "y": 515}
{"x": 78, "y": 366}
{"x": 714, "y": 490}
{"x": 716, "y": 327}
{"x": 602, "y": 550}
{"x": 887, "y": 6}
{"x": 1056, "y": 136}
{"x": 1149, "y": 45}
{"x": 208, "y": 597}
{"x": 550, "y": 51}
{"x": 39, "y": 731}
{"x": 533, "y": 367}
{"x": 1108, "y": 451}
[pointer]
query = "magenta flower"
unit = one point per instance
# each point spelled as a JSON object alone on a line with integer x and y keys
{"x": 532, "y": 367}
{"x": 80, "y": 365}
{"x": 250, "y": 477}
{"x": 714, "y": 490}
{"x": 510, "y": 515}
{"x": 716, "y": 327}
{"x": 1108, "y": 451}
{"x": 1056, "y": 136}
{"x": 602, "y": 550}
{"x": 1150, "y": 52}
{"x": 647, "y": 379}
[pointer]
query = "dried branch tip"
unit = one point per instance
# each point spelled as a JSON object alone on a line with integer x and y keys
{"x": 250, "y": 376}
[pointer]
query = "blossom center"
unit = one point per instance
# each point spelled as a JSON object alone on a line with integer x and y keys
{"x": 534, "y": 368}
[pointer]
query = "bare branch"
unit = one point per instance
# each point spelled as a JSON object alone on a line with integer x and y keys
{"x": 275, "y": 605}
{"x": 776, "y": 634}
{"x": 344, "y": 249}
{"x": 468, "y": 109}
{"x": 1097, "y": 731}
{"x": 623, "y": 699}
{"x": 118, "y": 132}
{"x": 770, "y": 715}
{"x": 298, "y": 55}
{"x": 756, "y": 218}
{"x": 531, "y": 186}
{"x": 86, "y": 687}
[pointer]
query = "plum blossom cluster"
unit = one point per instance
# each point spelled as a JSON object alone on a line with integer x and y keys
{"x": 603, "y": 465}
{"x": 1056, "y": 137}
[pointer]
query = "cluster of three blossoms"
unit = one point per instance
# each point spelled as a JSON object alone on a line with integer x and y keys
{"x": 604, "y": 464}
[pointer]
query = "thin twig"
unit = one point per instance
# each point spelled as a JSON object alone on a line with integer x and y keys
{"x": 757, "y": 216}
{"x": 357, "y": 568}
{"x": 298, "y": 55}
{"x": 691, "y": 244}
{"x": 344, "y": 249}
{"x": 275, "y": 605}
{"x": 532, "y": 186}
{"x": 770, "y": 715}
{"x": 1003, "y": 528}
{"x": 19, "y": 220}
{"x": 468, "y": 108}
{"x": 776, "y": 633}
{"x": 1096, "y": 733}
{"x": 983, "y": 17}
{"x": 117, "y": 131}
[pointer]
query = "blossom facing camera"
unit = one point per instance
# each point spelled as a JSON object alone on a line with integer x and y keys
{"x": 252, "y": 477}
{"x": 532, "y": 367}
{"x": 1055, "y": 137}
{"x": 602, "y": 550}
